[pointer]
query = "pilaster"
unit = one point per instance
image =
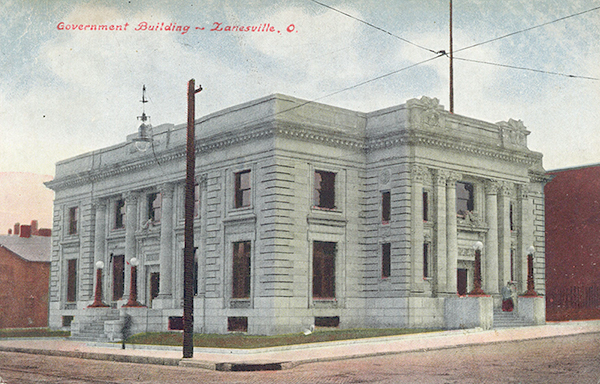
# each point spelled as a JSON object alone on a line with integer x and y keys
{"x": 418, "y": 175}
{"x": 504, "y": 233}
{"x": 490, "y": 265}
{"x": 525, "y": 239}
{"x": 451, "y": 233}
{"x": 440, "y": 284}
{"x": 166, "y": 241}
{"x": 131, "y": 205}
{"x": 100, "y": 206}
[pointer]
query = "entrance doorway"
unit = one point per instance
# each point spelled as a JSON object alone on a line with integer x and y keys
{"x": 461, "y": 281}
{"x": 154, "y": 286}
{"x": 118, "y": 276}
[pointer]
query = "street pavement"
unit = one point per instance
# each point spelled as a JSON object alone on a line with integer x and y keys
{"x": 286, "y": 357}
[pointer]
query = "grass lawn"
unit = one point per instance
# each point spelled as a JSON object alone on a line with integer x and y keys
{"x": 32, "y": 332}
{"x": 237, "y": 340}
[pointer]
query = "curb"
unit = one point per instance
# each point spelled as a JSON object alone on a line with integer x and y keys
{"x": 275, "y": 365}
{"x": 95, "y": 356}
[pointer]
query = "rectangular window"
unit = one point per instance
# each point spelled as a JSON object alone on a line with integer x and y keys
{"x": 324, "y": 270}
{"x": 328, "y": 322}
{"x": 241, "y": 270}
{"x": 120, "y": 214}
{"x": 425, "y": 206}
{"x": 72, "y": 280}
{"x": 67, "y": 320}
{"x": 512, "y": 265}
{"x": 196, "y": 200}
{"x": 73, "y": 217}
{"x": 195, "y": 272}
{"x": 154, "y": 285}
{"x": 324, "y": 192}
{"x": 242, "y": 189}
{"x": 154, "y": 204}
{"x": 237, "y": 324}
{"x": 386, "y": 264}
{"x": 464, "y": 198}
{"x": 386, "y": 207}
{"x": 118, "y": 277}
{"x": 510, "y": 215}
{"x": 426, "y": 260}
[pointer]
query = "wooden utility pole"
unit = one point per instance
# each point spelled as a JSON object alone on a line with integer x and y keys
{"x": 451, "y": 63}
{"x": 188, "y": 252}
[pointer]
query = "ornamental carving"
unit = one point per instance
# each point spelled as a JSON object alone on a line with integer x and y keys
{"x": 472, "y": 219}
{"x": 99, "y": 204}
{"x": 523, "y": 191}
{"x": 420, "y": 173}
{"x": 131, "y": 197}
{"x": 166, "y": 190}
{"x": 440, "y": 177}
{"x": 506, "y": 188}
{"x": 432, "y": 116}
{"x": 453, "y": 177}
{"x": 492, "y": 187}
{"x": 513, "y": 132}
{"x": 384, "y": 177}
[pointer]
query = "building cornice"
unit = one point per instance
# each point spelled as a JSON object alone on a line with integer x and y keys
{"x": 423, "y": 138}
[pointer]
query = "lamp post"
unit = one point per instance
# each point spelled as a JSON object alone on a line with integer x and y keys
{"x": 188, "y": 253}
{"x": 132, "y": 302}
{"x": 530, "y": 283}
{"x": 98, "y": 293}
{"x": 477, "y": 291}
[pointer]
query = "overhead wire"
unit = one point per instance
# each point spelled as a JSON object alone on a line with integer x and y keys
{"x": 526, "y": 29}
{"x": 374, "y": 26}
{"x": 439, "y": 54}
{"x": 526, "y": 69}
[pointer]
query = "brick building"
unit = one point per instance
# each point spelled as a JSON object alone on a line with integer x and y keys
{"x": 306, "y": 214}
{"x": 573, "y": 244}
{"x": 24, "y": 277}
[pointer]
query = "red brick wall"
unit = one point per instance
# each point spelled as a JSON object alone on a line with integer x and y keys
{"x": 573, "y": 244}
{"x": 23, "y": 292}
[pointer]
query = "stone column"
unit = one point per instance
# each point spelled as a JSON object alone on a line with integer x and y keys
{"x": 418, "y": 174}
{"x": 166, "y": 242}
{"x": 131, "y": 218}
{"x": 451, "y": 234}
{"x": 490, "y": 273}
{"x": 440, "y": 232}
{"x": 525, "y": 240}
{"x": 504, "y": 233}
{"x": 100, "y": 237}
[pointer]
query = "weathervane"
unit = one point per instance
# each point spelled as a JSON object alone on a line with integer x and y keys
{"x": 144, "y": 137}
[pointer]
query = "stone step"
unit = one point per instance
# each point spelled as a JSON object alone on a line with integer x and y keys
{"x": 508, "y": 320}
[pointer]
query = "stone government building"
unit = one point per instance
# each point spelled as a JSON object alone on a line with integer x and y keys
{"x": 306, "y": 214}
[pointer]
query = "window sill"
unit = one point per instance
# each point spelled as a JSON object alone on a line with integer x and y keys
{"x": 325, "y": 303}
{"x": 239, "y": 303}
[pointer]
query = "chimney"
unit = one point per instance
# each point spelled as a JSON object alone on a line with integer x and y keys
{"x": 17, "y": 226}
{"x": 25, "y": 231}
{"x": 45, "y": 232}
{"x": 34, "y": 227}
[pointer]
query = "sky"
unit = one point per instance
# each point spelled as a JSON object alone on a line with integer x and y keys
{"x": 65, "y": 92}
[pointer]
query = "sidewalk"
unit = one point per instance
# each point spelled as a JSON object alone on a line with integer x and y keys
{"x": 286, "y": 357}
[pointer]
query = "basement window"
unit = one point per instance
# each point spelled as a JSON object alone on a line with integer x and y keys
{"x": 237, "y": 324}
{"x": 327, "y": 321}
